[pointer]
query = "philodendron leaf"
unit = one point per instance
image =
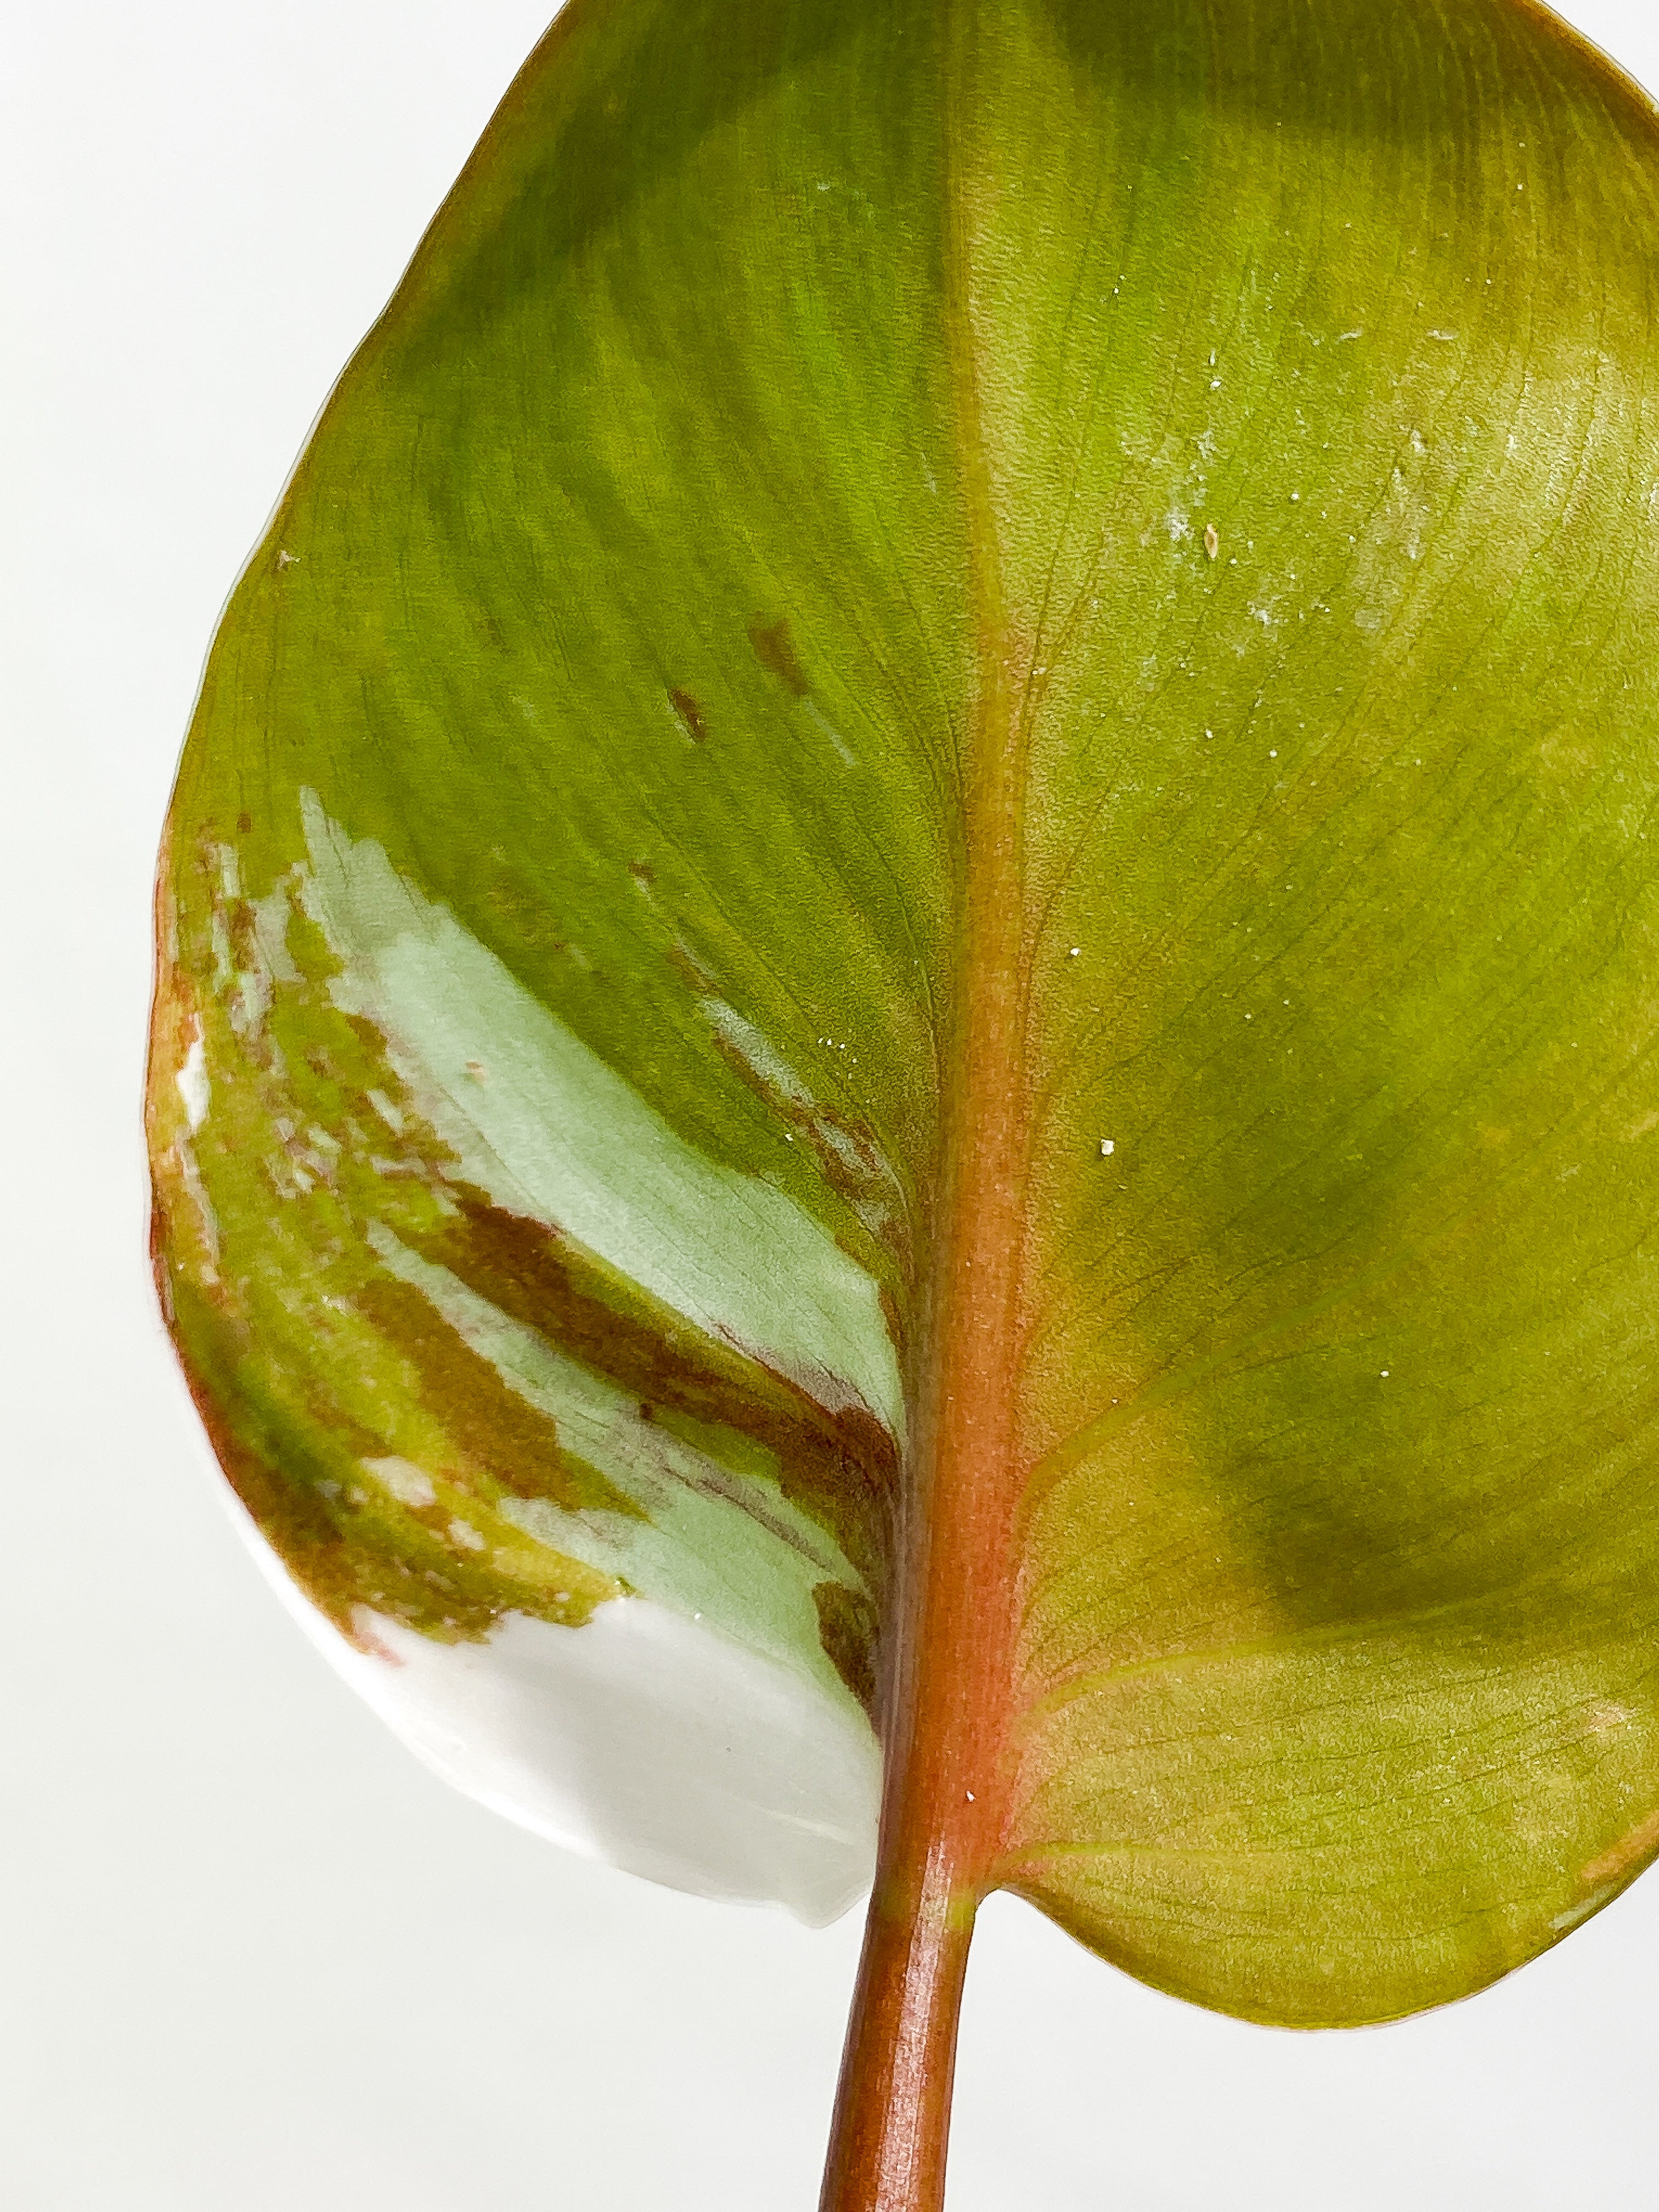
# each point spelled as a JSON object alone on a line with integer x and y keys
{"x": 907, "y": 983}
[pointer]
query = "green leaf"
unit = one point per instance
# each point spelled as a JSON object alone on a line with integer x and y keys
{"x": 906, "y": 976}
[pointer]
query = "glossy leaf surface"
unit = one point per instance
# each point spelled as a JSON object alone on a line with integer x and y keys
{"x": 906, "y": 960}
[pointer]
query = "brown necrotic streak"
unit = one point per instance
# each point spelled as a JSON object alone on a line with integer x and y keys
{"x": 840, "y": 1468}
{"x": 815, "y": 1123}
{"x": 495, "y": 1430}
{"x": 848, "y": 1628}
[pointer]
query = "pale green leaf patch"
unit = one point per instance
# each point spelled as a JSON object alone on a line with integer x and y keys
{"x": 543, "y": 1125}
{"x": 713, "y": 1536}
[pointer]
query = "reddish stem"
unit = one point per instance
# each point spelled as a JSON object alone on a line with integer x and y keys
{"x": 887, "y": 2150}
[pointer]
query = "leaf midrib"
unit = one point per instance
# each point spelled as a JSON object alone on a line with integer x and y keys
{"x": 950, "y": 1642}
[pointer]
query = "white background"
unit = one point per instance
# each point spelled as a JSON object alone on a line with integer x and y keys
{"x": 252, "y": 1959}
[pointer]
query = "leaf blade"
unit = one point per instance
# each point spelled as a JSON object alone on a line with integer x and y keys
{"x": 1074, "y": 570}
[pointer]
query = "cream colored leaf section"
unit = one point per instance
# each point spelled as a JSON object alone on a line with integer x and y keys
{"x": 650, "y": 1741}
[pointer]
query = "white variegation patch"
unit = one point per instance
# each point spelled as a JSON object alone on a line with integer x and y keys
{"x": 193, "y": 1083}
{"x": 549, "y": 1130}
{"x": 644, "y": 1738}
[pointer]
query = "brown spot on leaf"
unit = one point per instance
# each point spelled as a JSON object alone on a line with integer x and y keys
{"x": 841, "y": 1467}
{"x": 690, "y": 713}
{"x": 774, "y": 649}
